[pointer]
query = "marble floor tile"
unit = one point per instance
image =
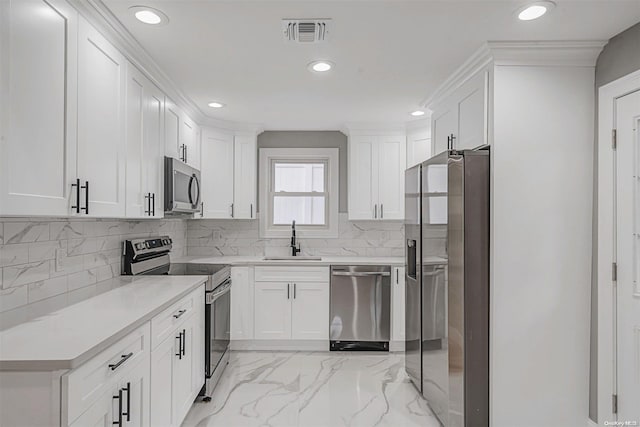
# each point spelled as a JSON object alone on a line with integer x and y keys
{"x": 313, "y": 389}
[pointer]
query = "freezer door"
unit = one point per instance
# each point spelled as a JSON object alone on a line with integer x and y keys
{"x": 413, "y": 364}
{"x": 360, "y": 303}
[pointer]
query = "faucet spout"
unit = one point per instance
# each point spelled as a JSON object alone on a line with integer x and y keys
{"x": 295, "y": 247}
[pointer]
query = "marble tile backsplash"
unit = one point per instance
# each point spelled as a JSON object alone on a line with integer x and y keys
{"x": 47, "y": 264}
{"x": 206, "y": 237}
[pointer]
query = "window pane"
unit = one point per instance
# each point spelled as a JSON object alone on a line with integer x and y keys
{"x": 304, "y": 210}
{"x": 298, "y": 177}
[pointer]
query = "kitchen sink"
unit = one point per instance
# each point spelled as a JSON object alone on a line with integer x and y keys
{"x": 292, "y": 258}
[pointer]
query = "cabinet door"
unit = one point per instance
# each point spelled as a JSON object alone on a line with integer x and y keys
{"x": 189, "y": 138}
{"x": 197, "y": 350}
{"x": 244, "y": 177}
{"x": 38, "y": 146}
{"x": 241, "y": 304}
{"x": 182, "y": 373}
{"x": 471, "y": 105}
{"x": 444, "y": 123}
{"x": 310, "y": 311}
{"x": 103, "y": 413}
{"x": 153, "y": 149}
{"x": 392, "y": 164}
{"x": 172, "y": 121}
{"x": 398, "y": 292}
{"x": 217, "y": 173}
{"x": 418, "y": 148}
{"x": 162, "y": 366}
{"x": 137, "y": 203}
{"x": 272, "y": 310}
{"x": 135, "y": 387}
{"x": 101, "y": 129}
{"x": 363, "y": 181}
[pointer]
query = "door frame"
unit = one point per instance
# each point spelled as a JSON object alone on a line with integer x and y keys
{"x": 606, "y": 238}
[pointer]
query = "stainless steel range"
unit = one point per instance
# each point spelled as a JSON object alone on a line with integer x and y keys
{"x": 151, "y": 256}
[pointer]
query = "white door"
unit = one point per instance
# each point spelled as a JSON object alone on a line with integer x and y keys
{"x": 101, "y": 123}
{"x": 241, "y": 304}
{"x": 137, "y": 198}
{"x": 39, "y": 102}
{"x": 162, "y": 366}
{"x": 392, "y": 164}
{"x": 272, "y": 310}
{"x": 182, "y": 375}
{"x": 471, "y": 102}
{"x": 245, "y": 176}
{"x": 444, "y": 123}
{"x": 398, "y": 292}
{"x": 217, "y": 174}
{"x": 628, "y": 256}
{"x": 154, "y": 148}
{"x": 103, "y": 412}
{"x": 135, "y": 387}
{"x": 172, "y": 121}
{"x": 363, "y": 178}
{"x": 310, "y": 311}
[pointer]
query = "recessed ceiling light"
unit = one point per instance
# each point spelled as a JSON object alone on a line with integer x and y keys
{"x": 535, "y": 10}
{"x": 149, "y": 15}
{"x": 320, "y": 66}
{"x": 215, "y": 104}
{"x": 417, "y": 113}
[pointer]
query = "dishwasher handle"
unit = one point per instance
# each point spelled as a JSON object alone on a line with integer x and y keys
{"x": 361, "y": 273}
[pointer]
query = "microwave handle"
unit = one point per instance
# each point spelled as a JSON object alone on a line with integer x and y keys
{"x": 194, "y": 199}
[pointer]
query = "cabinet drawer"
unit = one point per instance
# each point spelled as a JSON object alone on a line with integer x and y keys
{"x": 292, "y": 274}
{"x": 165, "y": 323}
{"x": 87, "y": 383}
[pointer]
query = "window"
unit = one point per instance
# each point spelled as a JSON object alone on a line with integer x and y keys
{"x": 301, "y": 185}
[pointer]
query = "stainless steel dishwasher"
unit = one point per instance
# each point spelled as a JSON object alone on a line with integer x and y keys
{"x": 360, "y": 307}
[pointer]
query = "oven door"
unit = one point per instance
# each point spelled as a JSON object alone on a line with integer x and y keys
{"x": 218, "y": 325}
{"x": 182, "y": 187}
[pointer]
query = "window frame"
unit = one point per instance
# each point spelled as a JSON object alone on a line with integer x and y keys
{"x": 328, "y": 156}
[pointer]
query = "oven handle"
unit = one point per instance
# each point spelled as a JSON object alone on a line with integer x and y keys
{"x": 212, "y": 296}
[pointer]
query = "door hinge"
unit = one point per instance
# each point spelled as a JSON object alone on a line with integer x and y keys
{"x": 614, "y": 271}
{"x": 614, "y": 403}
{"x": 614, "y": 139}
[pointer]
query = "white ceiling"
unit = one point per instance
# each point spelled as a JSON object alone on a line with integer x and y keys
{"x": 388, "y": 55}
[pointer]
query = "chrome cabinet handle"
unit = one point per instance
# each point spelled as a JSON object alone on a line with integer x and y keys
{"x": 201, "y": 209}
{"x": 119, "y": 397}
{"x": 180, "y": 313}
{"x": 294, "y": 290}
{"x": 179, "y": 353}
{"x": 147, "y": 198}
{"x": 183, "y": 345}
{"x": 397, "y": 277}
{"x": 381, "y": 210}
{"x": 231, "y": 210}
{"x": 77, "y": 185}
{"x": 361, "y": 273}
{"x": 123, "y": 359}
{"x": 128, "y": 413}
{"x": 86, "y": 198}
{"x": 251, "y": 210}
{"x": 153, "y": 206}
{"x": 375, "y": 211}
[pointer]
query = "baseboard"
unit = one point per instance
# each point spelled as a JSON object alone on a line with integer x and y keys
{"x": 279, "y": 345}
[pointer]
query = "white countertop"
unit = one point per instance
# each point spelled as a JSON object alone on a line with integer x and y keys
{"x": 69, "y": 337}
{"x": 326, "y": 260}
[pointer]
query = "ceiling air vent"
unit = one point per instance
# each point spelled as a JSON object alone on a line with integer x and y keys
{"x": 306, "y": 30}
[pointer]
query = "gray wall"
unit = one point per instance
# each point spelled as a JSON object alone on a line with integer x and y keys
{"x": 621, "y": 56}
{"x": 311, "y": 139}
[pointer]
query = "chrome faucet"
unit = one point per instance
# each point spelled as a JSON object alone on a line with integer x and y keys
{"x": 295, "y": 247}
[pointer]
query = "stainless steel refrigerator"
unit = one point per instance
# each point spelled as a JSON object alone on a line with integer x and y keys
{"x": 447, "y": 294}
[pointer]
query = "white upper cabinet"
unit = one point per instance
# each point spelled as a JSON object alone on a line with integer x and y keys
{"x": 190, "y": 141}
{"x": 418, "y": 145}
{"x": 229, "y": 174}
{"x": 172, "y": 121}
{"x": 376, "y": 177}
{"x": 217, "y": 173}
{"x": 460, "y": 122}
{"x": 38, "y": 143}
{"x": 101, "y": 124}
{"x": 245, "y": 176}
{"x": 145, "y": 136}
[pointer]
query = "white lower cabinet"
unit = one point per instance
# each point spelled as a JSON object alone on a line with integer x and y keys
{"x": 177, "y": 366}
{"x": 291, "y": 303}
{"x": 398, "y": 304}
{"x": 242, "y": 303}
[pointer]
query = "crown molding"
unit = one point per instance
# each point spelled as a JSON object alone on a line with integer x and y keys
{"x": 373, "y": 128}
{"x": 100, "y": 16}
{"x": 572, "y": 53}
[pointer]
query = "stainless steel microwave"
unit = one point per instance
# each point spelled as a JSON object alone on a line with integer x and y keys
{"x": 181, "y": 187}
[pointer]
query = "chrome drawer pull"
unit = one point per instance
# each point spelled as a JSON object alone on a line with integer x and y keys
{"x": 180, "y": 313}
{"x": 123, "y": 359}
